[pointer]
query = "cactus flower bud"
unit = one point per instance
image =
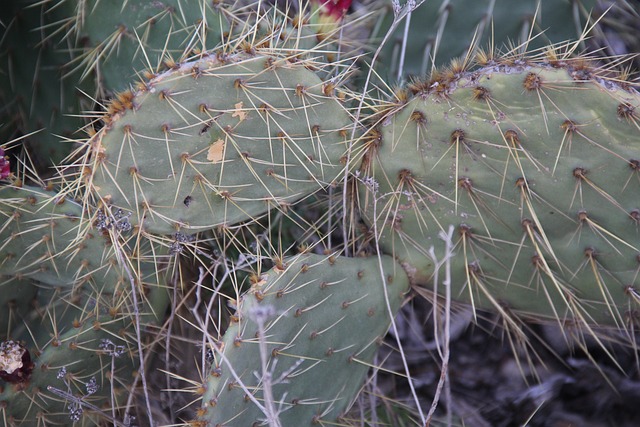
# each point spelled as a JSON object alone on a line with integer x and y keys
{"x": 328, "y": 14}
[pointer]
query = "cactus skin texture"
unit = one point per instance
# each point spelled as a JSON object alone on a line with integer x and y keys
{"x": 49, "y": 239}
{"x": 16, "y": 295}
{"x": 216, "y": 142}
{"x": 327, "y": 314}
{"x": 497, "y": 22}
{"x": 122, "y": 38}
{"x": 537, "y": 166}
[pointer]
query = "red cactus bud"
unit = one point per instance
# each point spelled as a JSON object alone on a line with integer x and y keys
{"x": 334, "y": 8}
{"x": 327, "y": 14}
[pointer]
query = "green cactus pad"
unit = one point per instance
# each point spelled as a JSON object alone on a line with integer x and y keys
{"x": 538, "y": 167}
{"x": 70, "y": 382}
{"x": 49, "y": 239}
{"x": 16, "y": 297}
{"x": 73, "y": 361}
{"x": 219, "y": 141}
{"x": 122, "y": 38}
{"x": 322, "y": 319}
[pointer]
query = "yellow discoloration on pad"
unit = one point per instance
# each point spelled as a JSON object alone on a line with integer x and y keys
{"x": 216, "y": 151}
{"x": 239, "y": 112}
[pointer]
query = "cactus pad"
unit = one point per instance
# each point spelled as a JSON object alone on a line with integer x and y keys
{"x": 81, "y": 348}
{"x": 442, "y": 30}
{"x": 48, "y": 238}
{"x": 218, "y": 141}
{"x": 121, "y": 39}
{"x": 537, "y": 164}
{"x": 41, "y": 97}
{"x": 321, "y": 317}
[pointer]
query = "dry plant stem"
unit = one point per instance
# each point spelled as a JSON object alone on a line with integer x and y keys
{"x": 237, "y": 378}
{"x": 330, "y": 219}
{"x": 372, "y": 396}
{"x": 194, "y": 310}
{"x": 394, "y": 328}
{"x": 445, "y": 350}
{"x": 136, "y": 314}
{"x": 273, "y": 422}
{"x": 267, "y": 383}
{"x": 113, "y": 396}
{"x": 204, "y": 325}
{"x": 405, "y": 40}
{"x": 196, "y": 306}
{"x": 167, "y": 355}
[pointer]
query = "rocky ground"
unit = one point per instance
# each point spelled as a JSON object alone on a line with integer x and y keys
{"x": 548, "y": 384}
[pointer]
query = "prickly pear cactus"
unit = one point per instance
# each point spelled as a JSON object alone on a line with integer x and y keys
{"x": 49, "y": 238}
{"x": 315, "y": 323}
{"x": 77, "y": 288}
{"x": 218, "y": 141}
{"x": 121, "y": 39}
{"x": 537, "y": 164}
{"x": 78, "y": 349}
{"x": 442, "y": 30}
{"x": 67, "y": 374}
